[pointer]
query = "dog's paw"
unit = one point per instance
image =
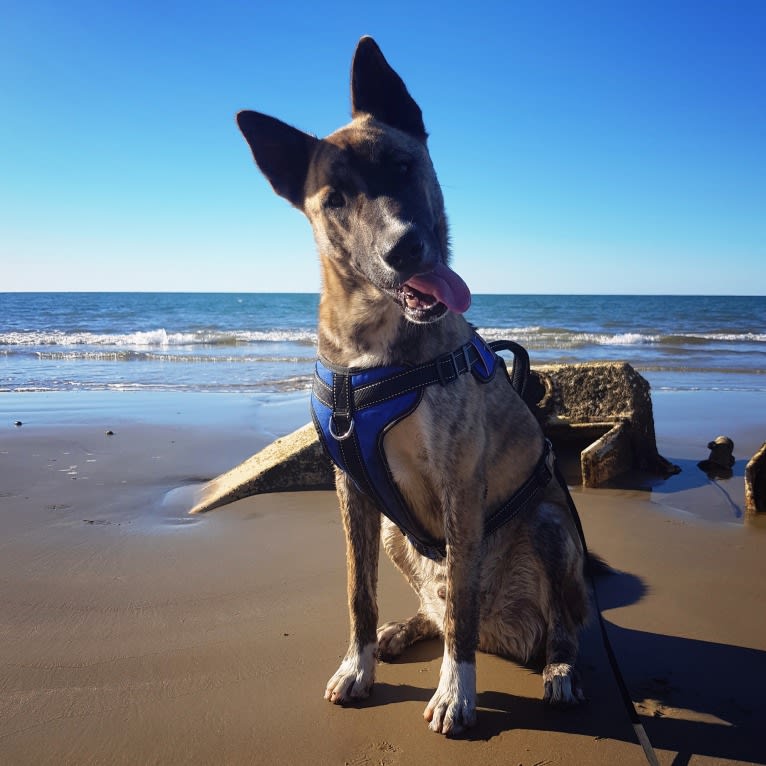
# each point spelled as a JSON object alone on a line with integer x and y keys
{"x": 392, "y": 640}
{"x": 354, "y": 678}
{"x": 452, "y": 709}
{"x": 561, "y": 685}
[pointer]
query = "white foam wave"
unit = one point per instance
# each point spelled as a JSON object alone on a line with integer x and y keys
{"x": 624, "y": 339}
{"x": 749, "y": 337}
{"x": 158, "y": 356}
{"x": 157, "y": 338}
{"x": 539, "y": 337}
{"x": 545, "y": 337}
{"x": 534, "y": 336}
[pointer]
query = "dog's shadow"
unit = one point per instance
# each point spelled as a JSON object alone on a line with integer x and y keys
{"x": 694, "y": 697}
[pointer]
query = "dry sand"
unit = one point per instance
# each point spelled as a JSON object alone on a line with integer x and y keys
{"x": 131, "y": 633}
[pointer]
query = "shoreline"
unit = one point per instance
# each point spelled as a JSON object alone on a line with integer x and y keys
{"x": 227, "y": 428}
{"x": 136, "y": 634}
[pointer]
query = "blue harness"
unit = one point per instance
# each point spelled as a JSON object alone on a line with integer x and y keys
{"x": 354, "y": 408}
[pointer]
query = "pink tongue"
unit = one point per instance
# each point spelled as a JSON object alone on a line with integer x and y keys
{"x": 446, "y": 286}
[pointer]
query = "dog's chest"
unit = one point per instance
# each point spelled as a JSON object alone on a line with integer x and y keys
{"x": 415, "y": 465}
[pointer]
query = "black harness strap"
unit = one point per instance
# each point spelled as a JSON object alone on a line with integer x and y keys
{"x": 444, "y": 369}
{"x": 342, "y": 415}
{"x": 526, "y": 495}
{"x": 520, "y": 372}
{"x": 341, "y": 427}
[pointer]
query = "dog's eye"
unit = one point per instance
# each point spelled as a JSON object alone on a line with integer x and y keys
{"x": 404, "y": 168}
{"x": 336, "y": 199}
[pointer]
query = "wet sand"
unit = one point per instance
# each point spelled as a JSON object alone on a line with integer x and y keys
{"x": 134, "y": 634}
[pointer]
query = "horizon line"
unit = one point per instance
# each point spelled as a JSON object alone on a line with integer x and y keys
{"x": 318, "y": 292}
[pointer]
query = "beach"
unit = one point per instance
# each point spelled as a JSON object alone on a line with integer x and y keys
{"x": 133, "y": 633}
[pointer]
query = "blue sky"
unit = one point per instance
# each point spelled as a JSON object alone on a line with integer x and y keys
{"x": 583, "y": 147}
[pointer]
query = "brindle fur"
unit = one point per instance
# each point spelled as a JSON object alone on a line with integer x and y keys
{"x": 371, "y": 195}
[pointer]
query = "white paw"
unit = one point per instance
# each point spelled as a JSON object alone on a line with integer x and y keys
{"x": 452, "y": 709}
{"x": 391, "y": 640}
{"x": 355, "y": 676}
{"x": 561, "y": 685}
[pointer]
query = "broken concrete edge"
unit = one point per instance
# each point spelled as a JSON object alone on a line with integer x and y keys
{"x": 755, "y": 483}
{"x": 606, "y": 457}
{"x": 292, "y": 463}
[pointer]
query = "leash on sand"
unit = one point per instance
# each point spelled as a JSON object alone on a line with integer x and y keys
{"x": 627, "y": 701}
{"x": 518, "y": 379}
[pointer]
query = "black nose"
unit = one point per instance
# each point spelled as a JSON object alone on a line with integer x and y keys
{"x": 406, "y": 253}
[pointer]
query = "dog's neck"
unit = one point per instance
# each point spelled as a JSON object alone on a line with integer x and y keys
{"x": 360, "y": 326}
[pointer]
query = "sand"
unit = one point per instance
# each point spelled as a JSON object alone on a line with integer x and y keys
{"x": 131, "y": 633}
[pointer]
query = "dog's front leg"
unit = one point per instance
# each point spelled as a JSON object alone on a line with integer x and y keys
{"x": 361, "y": 523}
{"x": 453, "y": 706}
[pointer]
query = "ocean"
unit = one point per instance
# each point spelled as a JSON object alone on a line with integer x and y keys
{"x": 258, "y": 342}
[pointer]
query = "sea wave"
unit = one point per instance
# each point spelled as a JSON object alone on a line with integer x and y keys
{"x": 539, "y": 337}
{"x": 282, "y": 385}
{"x": 153, "y": 356}
{"x": 532, "y": 336}
{"x": 699, "y": 369}
{"x": 542, "y": 337}
{"x": 722, "y": 337}
{"x": 158, "y": 337}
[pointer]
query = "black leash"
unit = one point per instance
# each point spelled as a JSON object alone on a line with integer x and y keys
{"x": 627, "y": 701}
{"x": 518, "y": 379}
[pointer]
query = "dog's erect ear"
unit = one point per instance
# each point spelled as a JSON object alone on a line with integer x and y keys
{"x": 377, "y": 90}
{"x": 281, "y": 152}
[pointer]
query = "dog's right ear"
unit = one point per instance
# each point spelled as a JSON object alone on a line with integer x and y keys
{"x": 281, "y": 152}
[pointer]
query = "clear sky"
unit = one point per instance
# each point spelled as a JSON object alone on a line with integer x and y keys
{"x": 583, "y": 147}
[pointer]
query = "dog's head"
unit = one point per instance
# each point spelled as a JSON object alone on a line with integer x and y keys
{"x": 369, "y": 190}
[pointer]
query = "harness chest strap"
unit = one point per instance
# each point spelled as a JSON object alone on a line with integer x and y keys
{"x": 353, "y": 409}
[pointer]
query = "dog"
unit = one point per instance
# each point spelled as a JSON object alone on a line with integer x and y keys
{"x": 390, "y": 300}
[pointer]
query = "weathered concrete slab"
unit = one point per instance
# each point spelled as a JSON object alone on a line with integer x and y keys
{"x": 609, "y": 402}
{"x": 604, "y": 409}
{"x": 293, "y": 463}
{"x": 755, "y": 483}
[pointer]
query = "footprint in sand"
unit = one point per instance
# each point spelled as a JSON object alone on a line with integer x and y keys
{"x": 376, "y": 754}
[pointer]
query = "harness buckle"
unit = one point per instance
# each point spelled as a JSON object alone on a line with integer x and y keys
{"x": 452, "y": 372}
{"x": 466, "y": 350}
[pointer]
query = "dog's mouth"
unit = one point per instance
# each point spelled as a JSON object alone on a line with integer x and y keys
{"x": 418, "y": 306}
{"x": 427, "y": 297}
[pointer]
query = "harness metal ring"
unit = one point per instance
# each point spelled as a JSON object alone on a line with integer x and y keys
{"x": 340, "y": 437}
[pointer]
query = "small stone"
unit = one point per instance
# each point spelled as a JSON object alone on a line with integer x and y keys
{"x": 719, "y": 464}
{"x": 110, "y": 433}
{"x": 18, "y": 423}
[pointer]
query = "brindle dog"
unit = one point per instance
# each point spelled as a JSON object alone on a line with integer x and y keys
{"x": 371, "y": 195}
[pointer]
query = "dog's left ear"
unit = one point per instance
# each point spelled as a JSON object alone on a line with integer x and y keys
{"x": 376, "y": 89}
